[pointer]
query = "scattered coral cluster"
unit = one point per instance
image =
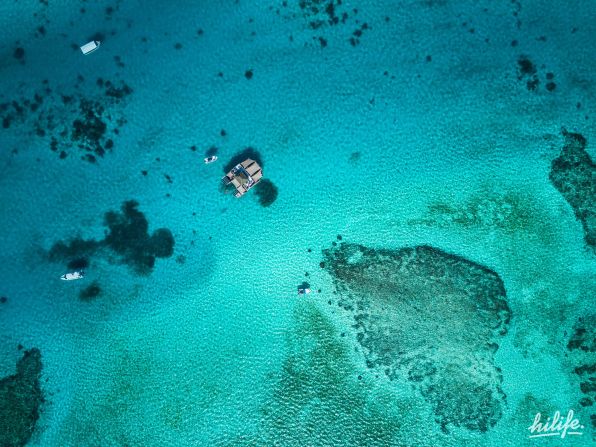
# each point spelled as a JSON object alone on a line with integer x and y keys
{"x": 527, "y": 71}
{"x": 323, "y": 14}
{"x": 88, "y": 118}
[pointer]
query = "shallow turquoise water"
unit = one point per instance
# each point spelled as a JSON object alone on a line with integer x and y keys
{"x": 370, "y": 141}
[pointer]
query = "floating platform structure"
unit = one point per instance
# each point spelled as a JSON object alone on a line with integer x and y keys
{"x": 243, "y": 176}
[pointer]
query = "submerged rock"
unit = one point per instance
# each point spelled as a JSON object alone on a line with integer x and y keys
{"x": 573, "y": 173}
{"x": 432, "y": 318}
{"x": 20, "y": 400}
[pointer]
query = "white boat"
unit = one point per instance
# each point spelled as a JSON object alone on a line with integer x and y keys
{"x": 304, "y": 291}
{"x": 90, "y": 47}
{"x": 72, "y": 276}
{"x": 210, "y": 159}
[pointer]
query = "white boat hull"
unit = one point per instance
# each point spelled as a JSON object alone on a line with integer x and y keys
{"x": 72, "y": 276}
{"x": 90, "y": 47}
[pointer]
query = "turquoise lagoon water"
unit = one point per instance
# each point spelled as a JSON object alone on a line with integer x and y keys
{"x": 390, "y": 124}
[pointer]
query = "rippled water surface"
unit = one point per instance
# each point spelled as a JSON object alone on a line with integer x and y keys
{"x": 428, "y": 173}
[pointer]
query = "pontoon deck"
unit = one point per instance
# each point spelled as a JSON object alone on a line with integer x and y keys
{"x": 243, "y": 176}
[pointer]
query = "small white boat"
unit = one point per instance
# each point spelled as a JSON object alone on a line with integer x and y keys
{"x": 72, "y": 276}
{"x": 90, "y": 47}
{"x": 210, "y": 159}
{"x": 304, "y": 291}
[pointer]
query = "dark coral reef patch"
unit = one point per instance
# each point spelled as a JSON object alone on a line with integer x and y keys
{"x": 432, "y": 318}
{"x": 90, "y": 292}
{"x": 78, "y": 264}
{"x": 89, "y": 129}
{"x": 127, "y": 236}
{"x": 266, "y": 192}
{"x": 20, "y": 400}
{"x": 73, "y": 251}
{"x": 573, "y": 173}
{"x": 582, "y": 348}
{"x": 584, "y": 335}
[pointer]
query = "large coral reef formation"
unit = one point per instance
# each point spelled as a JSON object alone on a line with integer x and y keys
{"x": 20, "y": 400}
{"x": 431, "y": 318}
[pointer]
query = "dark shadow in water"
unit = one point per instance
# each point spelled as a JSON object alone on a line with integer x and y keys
{"x": 211, "y": 151}
{"x": 304, "y": 285}
{"x": 266, "y": 192}
{"x": 78, "y": 264}
{"x": 90, "y": 292}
